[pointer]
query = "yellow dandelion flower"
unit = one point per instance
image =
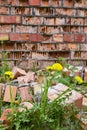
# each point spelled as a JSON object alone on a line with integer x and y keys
{"x": 16, "y": 102}
{"x": 49, "y": 68}
{"x": 78, "y": 79}
{"x": 57, "y": 66}
{"x": 9, "y": 74}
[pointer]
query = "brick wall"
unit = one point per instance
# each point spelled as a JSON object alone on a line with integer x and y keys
{"x": 37, "y": 32}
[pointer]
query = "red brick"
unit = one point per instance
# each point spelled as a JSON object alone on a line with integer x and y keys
{"x": 20, "y": 79}
{"x": 85, "y": 30}
{"x": 47, "y": 39}
{"x": 77, "y": 21}
{"x": 10, "y": 19}
{"x": 25, "y": 37}
{"x": 13, "y": 2}
{"x": 79, "y": 37}
{"x": 44, "y": 64}
{"x": 84, "y": 55}
{"x": 3, "y": 2}
{"x": 28, "y": 63}
{"x": 8, "y": 46}
{"x": 75, "y": 97}
{"x": 23, "y": 2}
{"x": 32, "y": 20}
{"x": 25, "y": 94}
{"x": 59, "y": 21}
{"x": 50, "y": 30}
{"x": 18, "y": 72}
{"x": 27, "y": 105}
{"x": 19, "y": 37}
{"x": 74, "y": 29}
{"x": 4, "y": 117}
{"x": 56, "y": 3}
{"x": 47, "y": 47}
{"x": 4, "y": 10}
{"x": 67, "y": 3}
{"x": 81, "y": 13}
{"x": 72, "y": 46}
{"x": 30, "y": 76}
{"x": 26, "y": 29}
{"x": 69, "y": 12}
{"x": 80, "y": 4}
{"x": 7, "y": 93}
{"x": 45, "y": 3}
{"x": 62, "y": 47}
{"x": 35, "y": 37}
{"x": 38, "y": 55}
{"x": 34, "y": 2}
{"x": 21, "y": 10}
{"x": 4, "y": 37}
{"x": 37, "y": 87}
{"x": 49, "y": 21}
{"x": 68, "y": 37}
{"x": 86, "y": 36}
{"x": 6, "y": 28}
{"x": 58, "y": 38}
{"x": 84, "y": 47}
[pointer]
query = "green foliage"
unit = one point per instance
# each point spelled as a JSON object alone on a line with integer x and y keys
{"x": 4, "y": 64}
{"x": 45, "y": 114}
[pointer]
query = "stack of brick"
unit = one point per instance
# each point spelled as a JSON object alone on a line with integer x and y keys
{"x": 32, "y": 88}
{"x": 39, "y": 31}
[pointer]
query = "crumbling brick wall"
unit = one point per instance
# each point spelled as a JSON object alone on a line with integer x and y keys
{"x": 37, "y": 32}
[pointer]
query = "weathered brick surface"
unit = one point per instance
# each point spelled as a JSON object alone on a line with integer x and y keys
{"x": 4, "y": 116}
{"x": 56, "y": 27}
{"x": 4, "y": 37}
{"x": 25, "y": 94}
{"x": 75, "y": 97}
{"x": 8, "y": 91}
{"x": 26, "y": 79}
{"x": 25, "y": 105}
{"x": 35, "y": 2}
{"x": 18, "y": 72}
{"x": 79, "y": 38}
{"x": 68, "y": 37}
{"x": 10, "y": 19}
{"x": 4, "y": 10}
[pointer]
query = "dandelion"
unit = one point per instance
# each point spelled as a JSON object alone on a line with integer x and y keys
{"x": 57, "y": 66}
{"x": 9, "y": 74}
{"x": 78, "y": 79}
{"x": 49, "y": 68}
{"x": 16, "y": 102}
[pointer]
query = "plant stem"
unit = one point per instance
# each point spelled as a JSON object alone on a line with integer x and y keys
{"x": 44, "y": 96}
{"x": 11, "y": 100}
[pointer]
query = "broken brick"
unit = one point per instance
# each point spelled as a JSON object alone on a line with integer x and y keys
{"x": 36, "y": 88}
{"x": 4, "y": 116}
{"x": 30, "y": 76}
{"x": 8, "y": 91}
{"x": 18, "y": 72}
{"x": 24, "y": 105}
{"x": 25, "y": 94}
{"x": 75, "y": 98}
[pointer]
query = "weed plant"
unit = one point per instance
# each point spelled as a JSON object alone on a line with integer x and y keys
{"x": 45, "y": 114}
